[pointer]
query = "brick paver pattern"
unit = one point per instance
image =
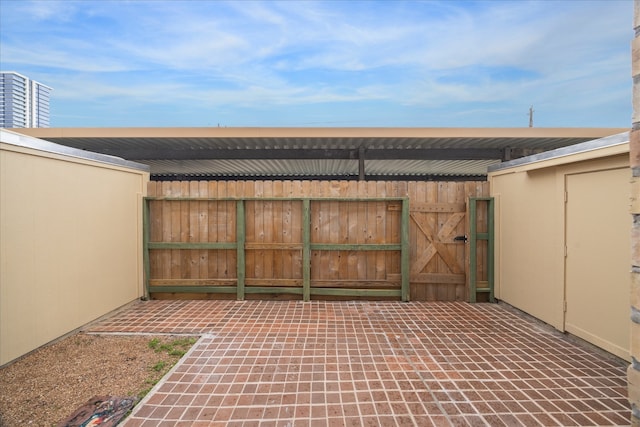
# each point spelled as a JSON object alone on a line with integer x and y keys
{"x": 293, "y": 363}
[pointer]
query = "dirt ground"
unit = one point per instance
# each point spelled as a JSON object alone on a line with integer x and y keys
{"x": 49, "y": 384}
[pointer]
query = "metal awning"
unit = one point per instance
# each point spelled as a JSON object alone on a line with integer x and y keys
{"x": 320, "y": 153}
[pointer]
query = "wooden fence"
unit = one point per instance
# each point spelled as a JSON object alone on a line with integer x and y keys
{"x": 354, "y": 239}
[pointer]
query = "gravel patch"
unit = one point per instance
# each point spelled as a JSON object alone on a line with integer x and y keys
{"x": 49, "y": 384}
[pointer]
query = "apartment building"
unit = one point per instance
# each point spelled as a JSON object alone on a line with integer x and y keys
{"x": 24, "y": 103}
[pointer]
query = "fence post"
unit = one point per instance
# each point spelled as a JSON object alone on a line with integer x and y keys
{"x": 240, "y": 250}
{"x": 145, "y": 247}
{"x": 491, "y": 248}
{"x": 405, "y": 266}
{"x": 472, "y": 249}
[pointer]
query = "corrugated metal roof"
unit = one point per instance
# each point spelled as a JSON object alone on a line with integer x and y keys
{"x": 252, "y": 167}
{"x": 332, "y": 167}
{"x": 224, "y": 143}
{"x": 318, "y": 152}
{"x": 429, "y": 167}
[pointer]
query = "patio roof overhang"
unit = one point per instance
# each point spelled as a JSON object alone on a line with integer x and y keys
{"x": 319, "y": 153}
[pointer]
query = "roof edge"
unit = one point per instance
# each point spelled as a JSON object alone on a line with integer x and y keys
{"x": 596, "y": 144}
{"x": 25, "y": 141}
{"x": 317, "y": 132}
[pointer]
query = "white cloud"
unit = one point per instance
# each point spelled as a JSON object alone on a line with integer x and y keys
{"x": 53, "y": 10}
{"x": 419, "y": 54}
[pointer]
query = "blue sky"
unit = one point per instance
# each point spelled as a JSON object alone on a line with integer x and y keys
{"x": 333, "y": 63}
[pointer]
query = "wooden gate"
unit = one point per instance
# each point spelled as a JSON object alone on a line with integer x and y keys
{"x": 439, "y": 258}
{"x": 329, "y": 239}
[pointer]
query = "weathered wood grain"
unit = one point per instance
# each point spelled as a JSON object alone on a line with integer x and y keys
{"x": 274, "y": 234}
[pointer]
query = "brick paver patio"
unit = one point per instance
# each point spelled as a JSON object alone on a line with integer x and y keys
{"x": 290, "y": 363}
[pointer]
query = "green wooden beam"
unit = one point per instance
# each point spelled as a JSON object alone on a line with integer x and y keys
{"x": 306, "y": 249}
{"x": 405, "y": 262}
{"x": 491, "y": 248}
{"x": 474, "y": 237}
{"x": 235, "y": 199}
{"x": 355, "y": 247}
{"x": 194, "y": 289}
{"x": 272, "y": 290}
{"x": 240, "y": 251}
{"x": 473, "y": 249}
{"x": 357, "y": 292}
{"x": 146, "y": 231}
{"x": 192, "y": 245}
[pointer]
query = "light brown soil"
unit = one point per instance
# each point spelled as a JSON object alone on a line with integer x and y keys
{"x": 49, "y": 384}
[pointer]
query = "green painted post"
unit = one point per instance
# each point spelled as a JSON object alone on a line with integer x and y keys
{"x": 146, "y": 229}
{"x": 490, "y": 248}
{"x": 405, "y": 266}
{"x": 473, "y": 247}
{"x": 306, "y": 250}
{"x": 240, "y": 251}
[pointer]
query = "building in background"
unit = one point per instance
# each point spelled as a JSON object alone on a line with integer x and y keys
{"x": 24, "y": 103}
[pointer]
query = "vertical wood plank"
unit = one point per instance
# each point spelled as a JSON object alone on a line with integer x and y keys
{"x": 194, "y": 230}
{"x": 418, "y": 240}
{"x": 176, "y": 255}
{"x": 459, "y": 197}
{"x": 250, "y": 229}
{"x": 442, "y": 290}
{"x": 213, "y": 224}
{"x": 432, "y": 197}
{"x": 362, "y": 230}
{"x": 371, "y": 230}
{"x": 151, "y": 188}
{"x": 343, "y": 226}
{"x": 258, "y": 270}
{"x": 225, "y": 231}
{"x": 267, "y": 231}
{"x": 278, "y": 233}
{"x": 296, "y": 230}
{"x": 380, "y": 236}
{"x": 353, "y": 231}
{"x": 184, "y": 231}
{"x": 322, "y": 270}
{"x": 391, "y": 258}
{"x": 203, "y": 229}
{"x": 305, "y": 189}
{"x": 469, "y": 190}
{"x": 165, "y": 255}
{"x": 286, "y": 257}
{"x": 228, "y": 209}
{"x": 417, "y": 246}
{"x": 334, "y": 231}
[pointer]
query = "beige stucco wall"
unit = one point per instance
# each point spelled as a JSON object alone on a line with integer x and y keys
{"x": 532, "y": 272}
{"x": 70, "y": 244}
